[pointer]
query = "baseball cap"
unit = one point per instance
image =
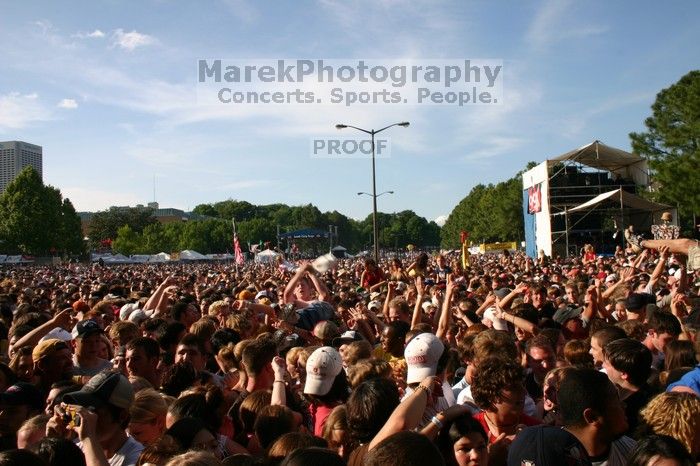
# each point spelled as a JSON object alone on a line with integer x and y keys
{"x": 347, "y": 337}
{"x": 422, "y": 355}
{"x": 107, "y": 387}
{"x": 322, "y": 367}
{"x": 374, "y": 295}
{"x": 85, "y": 328}
{"x": 635, "y": 301}
{"x": 374, "y": 305}
{"x": 261, "y": 294}
{"x": 427, "y": 304}
{"x": 48, "y": 348}
{"x": 57, "y": 333}
{"x": 502, "y": 292}
{"x": 22, "y": 393}
{"x": 611, "y": 278}
{"x": 567, "y": 313}
{"x": 126, "y": 310}
{"x": 547, "y": 446}
{"x": 326, "y": 330}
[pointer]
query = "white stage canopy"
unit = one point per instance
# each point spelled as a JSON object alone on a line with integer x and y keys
{"x": 628, "y": 199}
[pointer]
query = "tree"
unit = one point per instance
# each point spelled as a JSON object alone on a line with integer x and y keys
{"x": 671, "y": 144}
{"x": 128, "y": 241}
{"x": 105, "y": 224}
{"x": 35, "y": 220}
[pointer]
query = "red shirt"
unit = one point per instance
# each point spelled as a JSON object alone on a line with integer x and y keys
{"x": 524, "y": 419}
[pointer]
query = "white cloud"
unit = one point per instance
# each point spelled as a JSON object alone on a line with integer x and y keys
{"x": 96, "y": 34}
{"x": 131, "y": 40}
{"x": 441, "y": 219}
{"x": 86, "y": 199}
{"x": 20, "y": 110}
{"x": 553, "y": 22}
{"x": 68, "y": 104}
{"x": 242, "y": 9}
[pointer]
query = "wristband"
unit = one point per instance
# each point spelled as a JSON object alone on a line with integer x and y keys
{"x": 437, "y": 422}
{"x": 279, "y": 381}
{"x": 421, "y": 387}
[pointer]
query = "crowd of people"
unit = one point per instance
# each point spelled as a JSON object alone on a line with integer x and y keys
{"x": 504, "y": 360}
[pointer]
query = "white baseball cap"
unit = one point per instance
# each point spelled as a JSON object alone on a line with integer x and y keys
{"x": 374, "y": 305}
{"x": 322, "y": 367}
{"x": 422, "y": 355}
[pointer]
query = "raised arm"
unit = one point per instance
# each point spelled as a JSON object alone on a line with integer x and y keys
{"x": 418, "y": 309}
{"x": 408, "y": 413}
{"x": 446, "y": 313}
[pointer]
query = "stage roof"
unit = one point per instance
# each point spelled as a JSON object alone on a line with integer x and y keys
{"x": 598, "y": 155}
{"x": 628, "y": 199}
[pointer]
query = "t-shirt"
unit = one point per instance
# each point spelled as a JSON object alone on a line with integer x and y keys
{"x": 128, "y": 454}
{"x": 316, "y": 312}
{"x": 634, "y": 404}
{"x": 319, "y": 413}
{"x": 103, "y": 365}
{"x": 617, "y": 456}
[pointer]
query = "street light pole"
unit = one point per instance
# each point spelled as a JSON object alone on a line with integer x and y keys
{"x": 375, "y": 228}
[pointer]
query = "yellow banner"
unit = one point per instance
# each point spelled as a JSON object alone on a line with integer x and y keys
{"x": 497, "y": 247}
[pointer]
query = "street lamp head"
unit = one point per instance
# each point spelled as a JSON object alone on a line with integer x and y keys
{"x": 340, "y": 126}
{"x": 404, "y": 124}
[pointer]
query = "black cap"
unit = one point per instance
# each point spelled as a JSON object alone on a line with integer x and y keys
{"x": 22, "y": 393}
{"x": 86, "y": 328}
{"x": 107, "y": 387}
{"x": 547, "y": 446}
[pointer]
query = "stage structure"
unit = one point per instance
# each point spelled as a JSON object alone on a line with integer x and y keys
{"x": 587, "y": 195}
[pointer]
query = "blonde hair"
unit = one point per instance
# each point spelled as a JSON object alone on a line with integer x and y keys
{"x": 336, "y": 420}
{"x": 227, "y": 357}
{"x": 216, "y": 307}
{"x": 357, "y": 350}
{"x": 148, "y": 406}
{"x": 194, "y": 458}
{"x": 366, "y": 369}
{"x": 37, "y": 422}
{"x": 676, "y": 414}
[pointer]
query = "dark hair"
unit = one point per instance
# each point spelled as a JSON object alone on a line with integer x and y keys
{"x": 576, "y": 353}
{"x": 154, "y": 324}
{"x": 581, "y": 389}
{"x": 631, "y": 357}
{"x": 291, "y": 441}
{"x": 185, "y": 430}
{"x": 679, "y": 353}
{"x": 405, "y": 448}
{"x": 178, "y": 309}
{"x": 178, "y": 377}
{"x": 169, "y": 335}
{"x": 272, "y": 422}
{"x": 607, "y": 334}
{"x": 369, "y": 407}
{"x": 452, "y": 432}
{"x": 495, "y": 374}
{"x": 258, "y": 354}
{"x": 664, "y": 322}
{"x": 20, "y": 458}
{"x": 539, "y": 341}
{"x": 149, "y": 346}
{"x": 313, "y": 456}
{"x": 663, "y": 446}
{"x": 223, "y": 337}
{"x": 59, "y": 452}
{"x": 203, "y": 405}
{"x": 190, "y": 339}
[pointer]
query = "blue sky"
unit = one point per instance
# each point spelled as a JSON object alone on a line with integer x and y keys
{"x": 108, "y": 89}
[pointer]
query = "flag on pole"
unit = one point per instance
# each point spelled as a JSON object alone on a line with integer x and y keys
{"x": 237, "y": 245}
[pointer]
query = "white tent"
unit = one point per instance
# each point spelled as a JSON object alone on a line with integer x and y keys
{"x": 598, "y": 155}
{"x": 190, "y": 255}
{"x": 220, "y": 257}
{"x": 624, "y": 198}
{"x": 160, "y": 257}
{"x": 268, "y": 256}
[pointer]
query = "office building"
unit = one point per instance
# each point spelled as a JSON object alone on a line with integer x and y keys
{"x": 14, "y": 156}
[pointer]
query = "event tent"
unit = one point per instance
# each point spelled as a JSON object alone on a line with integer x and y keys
{"x": 268, "y": 256}
{"x": 190, "y": 255}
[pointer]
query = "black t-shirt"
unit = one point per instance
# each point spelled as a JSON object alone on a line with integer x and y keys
{"x": 634, "y": 404}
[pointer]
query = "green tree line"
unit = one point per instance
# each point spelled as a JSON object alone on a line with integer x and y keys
{"x": 142, "y": 234}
